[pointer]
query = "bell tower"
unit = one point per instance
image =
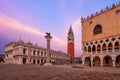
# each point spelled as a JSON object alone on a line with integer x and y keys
{"x": 70, "y": 44}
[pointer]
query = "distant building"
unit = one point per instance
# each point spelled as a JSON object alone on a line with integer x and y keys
{"x": 70, "y": 46}
{"x": 20, "y": 53}
{"x": 101, "y": 37}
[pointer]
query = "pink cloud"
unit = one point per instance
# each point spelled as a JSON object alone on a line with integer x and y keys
{"x": 10, "y": 9}
{"x": 76, "y": 25}
{"x": 16, "y": 28}
{"x": 12, "y": 28}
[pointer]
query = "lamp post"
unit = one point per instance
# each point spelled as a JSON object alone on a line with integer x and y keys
{"x": 48, "y": 38}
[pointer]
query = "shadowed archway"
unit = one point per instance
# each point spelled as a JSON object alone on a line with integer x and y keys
{"x": 96, "y": 61}
{"x": 107, "y": 61}
{"x": 87, "y": 61}
{"x": 117, "y": 61}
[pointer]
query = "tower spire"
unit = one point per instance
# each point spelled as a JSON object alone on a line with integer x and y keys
{"x": 70, "y": 29}
{"x": 20, "y": 39}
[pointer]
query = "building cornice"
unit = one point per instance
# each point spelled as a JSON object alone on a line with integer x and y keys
{"x": 103, "y": 38}
{"x": 100, "y": 12}
{"x": 32, "y": 46}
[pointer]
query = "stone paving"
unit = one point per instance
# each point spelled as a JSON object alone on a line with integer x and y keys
{"x": 57, "y": 72}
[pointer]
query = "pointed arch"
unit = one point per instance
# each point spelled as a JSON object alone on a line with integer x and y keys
{"x": 97, "y": 29}
{"x": 117, "y": 61}
{"x": 93, "y": 48}
{"x": 116, "y": 46}
{"x": 96, "y": 61}
{"x": 107, "y": 61}
{"x": 110, "y": 47}
{"x": 87, "y": 61}
{"x": 104, "y": 48}
{"x": 98, "y": 48}
{"x": 89, "y": 49}
{"x": 85, "y": 49}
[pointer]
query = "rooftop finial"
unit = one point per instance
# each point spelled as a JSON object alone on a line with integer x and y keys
{"x": 70, "y": 29}
{"x": 20, "y": 39}
{"x": 29, "y": 41}
{"x": 119, "y": 3}
{"x": 36, "y": 44}
{"x": 101, "y": 11}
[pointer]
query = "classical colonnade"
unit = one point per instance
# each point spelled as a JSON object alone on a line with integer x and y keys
{"x": 102, "y": 52}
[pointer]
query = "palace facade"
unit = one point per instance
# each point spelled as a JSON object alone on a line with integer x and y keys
{"x": 28, "y": 53}
{"x": 101, "y": 37}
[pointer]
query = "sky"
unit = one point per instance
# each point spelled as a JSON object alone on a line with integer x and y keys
{"x": 31, "y": 19}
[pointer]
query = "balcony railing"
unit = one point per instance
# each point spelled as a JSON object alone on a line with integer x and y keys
{"x": 104, "y": 51}
{"x": 117, "y": 50}
{"x": 109, "y": 51}
{"x": 98, "y": 51}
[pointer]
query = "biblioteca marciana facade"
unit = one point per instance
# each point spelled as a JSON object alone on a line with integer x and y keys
{"x": 101, "y": 37}
{"x": 20, "y": 53}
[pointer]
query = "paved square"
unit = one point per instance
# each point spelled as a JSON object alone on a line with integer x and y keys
{"x": 57, "y": 72}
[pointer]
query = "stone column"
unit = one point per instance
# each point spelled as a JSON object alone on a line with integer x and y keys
{"x": 95, "y": 49}
{"x": 20, "y": 50}
{"x": 20, "y": 60}
{"x": 48, "y": 38}
{"x": 86, "y": 50}
{"x": 29, "y": 44}
{"x": 36, "y": 61}
{"x": 83, "y": 61}
{"x": 101, "y": 61}
{"x": 113, "y": 61}
{"x": 113, "y": 50}
{"x": 107, "y": 48}
{"x": 101, "y": 49}
{"x": 91, "y": 59}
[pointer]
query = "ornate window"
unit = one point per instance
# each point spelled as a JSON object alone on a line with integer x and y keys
{"x": 93, "y": 48}
{"x": 97, "y": 29}
{"x": 85, "y": 49}
{"x": 89, "y": 49}
{"x": 24, "y": 51}
{"x": 98, "y": 47}
{"x": 104, "y": 47}
{"x": 34, "y": 52}
{"x": 116, "y": 46}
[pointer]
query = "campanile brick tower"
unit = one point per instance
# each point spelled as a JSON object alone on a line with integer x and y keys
{"x": 70, "y": 45}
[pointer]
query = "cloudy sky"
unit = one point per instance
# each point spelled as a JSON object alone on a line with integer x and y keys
{"x": 31, "y": 19}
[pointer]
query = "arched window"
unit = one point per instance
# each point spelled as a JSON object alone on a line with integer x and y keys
{"x": 85, "y": 49}
{"x": 116, "y": 47}
{"x": 98, "y": 48}
{"x": 110, "y": 46}
{"x": 89, "y": 49}
{"x": 93, "y": 48}
{"x": 104, "y": 48}
{"x": 97, "y": 29}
